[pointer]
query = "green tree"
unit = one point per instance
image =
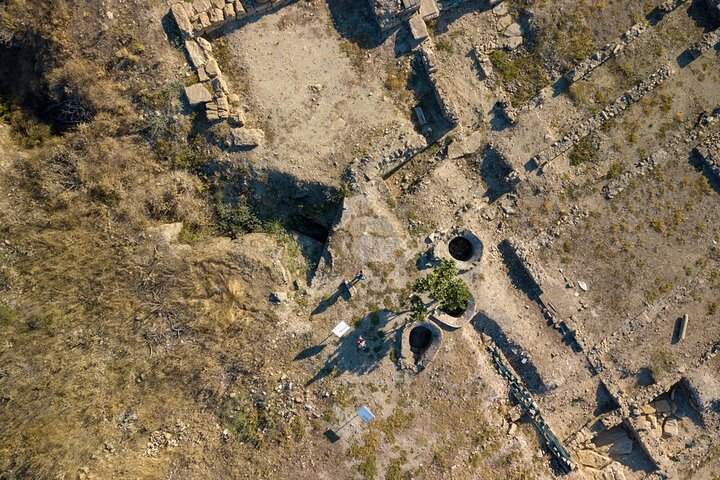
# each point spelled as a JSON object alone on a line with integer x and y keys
{"x": 443, "y": 286}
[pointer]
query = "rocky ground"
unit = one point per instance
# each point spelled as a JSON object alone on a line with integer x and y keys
{"x": 149, "y": 334}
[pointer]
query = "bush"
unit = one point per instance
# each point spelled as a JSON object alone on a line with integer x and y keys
{"x": 582, "y": 152}
{"x": 7, "y": 315}
{"x": 234, "y": 220}
{"x": 451, "y": 293}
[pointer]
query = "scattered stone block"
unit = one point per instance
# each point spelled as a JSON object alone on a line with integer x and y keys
{"x": 513, "y": 30}
{"x": 593, "y": 459}
{"x": 247, "y": 137}
{"x": 222, "y": 103}
{"x": 670, "y": 428}
{"x": 500, "y": 10}
{"x": 197, "y": 94}
{"x": 211, "y": 112}
{"x": 195, "y": 52}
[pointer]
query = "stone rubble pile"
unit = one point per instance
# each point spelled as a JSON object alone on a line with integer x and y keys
{"x": 196, "y": 19}
{"x": 709, "y": 150}
{"x": 610, "y": 111}
{"x": 680, "y": 142}
{"x": 706, "y": 42}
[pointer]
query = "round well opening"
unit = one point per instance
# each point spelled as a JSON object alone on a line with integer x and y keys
{"x": 420, "y": 338}
{"x": 461, "y": 249}
{"x": 457, "y": 313}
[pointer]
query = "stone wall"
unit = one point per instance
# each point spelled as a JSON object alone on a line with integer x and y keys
{"x": 197, "y": 18}
{"x": 610, "y": 111}
{"x": 440, "y": 85}
{"x": 680, "y": 142}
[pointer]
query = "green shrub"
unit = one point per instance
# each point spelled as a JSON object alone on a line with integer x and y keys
{"x": 234, "y": 220}
{"x": 7, "y": 315}
{"x": 582, "y": 152}
{"x": 451, "y": 293}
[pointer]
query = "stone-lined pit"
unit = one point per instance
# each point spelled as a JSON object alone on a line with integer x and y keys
{"x": 420, "y": 339}
{"x": 461, "y": 249}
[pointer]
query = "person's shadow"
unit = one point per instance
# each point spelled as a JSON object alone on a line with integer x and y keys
{"x": 326, "y": 303}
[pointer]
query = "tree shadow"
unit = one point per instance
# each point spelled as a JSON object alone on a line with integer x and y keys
{"x": 512, "y": 351}
{"x": 378, "y": 329}
{"x": 326, "y": 303}
{"x": 704, "y": 15}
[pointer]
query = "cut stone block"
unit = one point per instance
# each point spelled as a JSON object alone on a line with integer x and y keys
{"x": 418, "y": 29}
{"x": 218, "y": 3}
{"x": 197, "y": 94}
{"x": 229, "y": 11}
{"x": 202, "y": 5}
{"x": 219, "y": 85}
{"x": 212, "y": 68}
{"x": 182, "y": 19}
{"x": 429, "y": 9}
{"x": 206, "y": 46}
{"x": 195, "y": 52}
{"x": 239, "y": 9}
{"x": 204, "y": 19}
{"x": 216, "y": 16}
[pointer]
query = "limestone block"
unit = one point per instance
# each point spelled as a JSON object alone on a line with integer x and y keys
{"x": 593, "y": 459}
{"x": 189, "y": 9}
{"x": 197, "y": 94}
{"x": 206, "y": 46}
{"x": 195, "y": 52}
{"x": 513, "y": 30}
{"x": 182, "y": 19}
{"x": 239, "y": 9}
{"x": 237, "y": 118}
{"x": 204, "y": 19}
{"x": 229, "y": 11}
{"x": 234, "y": 99}
{"x": 247, "y": 137}
{"x": 202, "y": 75}
{"x": 222, "y": 103}
{"x": 202, "y": 5}
{"x": 219, "y": 85}
{"x": 212, "y": 68}
{"x": 418, "y": 29}
{"x": 216, "y": 16}
{"x": 218, "y": 4}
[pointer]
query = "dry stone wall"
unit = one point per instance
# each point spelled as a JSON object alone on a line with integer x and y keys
{"x": 195, "y": 19}
{"x": 610, "y": 111}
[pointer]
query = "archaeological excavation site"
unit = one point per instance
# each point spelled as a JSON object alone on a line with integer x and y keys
{"x": 360, "y": 239}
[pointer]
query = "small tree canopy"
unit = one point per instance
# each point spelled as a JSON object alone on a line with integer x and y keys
{"x": 444, "y": 287}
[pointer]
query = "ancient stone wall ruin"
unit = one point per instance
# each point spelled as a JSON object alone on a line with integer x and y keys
{"x": 195, "y": 19}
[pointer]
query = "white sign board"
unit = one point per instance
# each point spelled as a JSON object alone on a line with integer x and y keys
{"x": 365, "y": 414}
{"x": 340, "y": 329}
